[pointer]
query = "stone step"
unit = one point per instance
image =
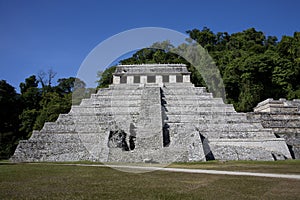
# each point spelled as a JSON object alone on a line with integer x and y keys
{"x": 57, "y": 128}
{"x": 186, "y": 117}
{"x": 54, "y": 127}
{"x": 48, "y": 146}
{"x": 184, "y": 106}
{"x": 45, "y": 137}
{"x": 282, "y": 123}
{"x": 114, "y": 97}
{"x": 186, "y": 92}
{"x": 65, "y": 118}
{"x": 237, "y": 134}
{"x": 112, "y": 102}
{"x": 84, "y": 119}
{"x": 110, "y": 113}
{"x": 177, "y": 85}
{"x": 121, "y": 90}
{"x": 294, "y": 130}
{"x": 244, "y": 127}
{"x": 195, "y": 103}
{"x": 50, "y": 151}
{"x": 117, "y": 104}
{"x": 199, "y": 112}
{"x": 133, "y": 94}
{"x": 232, "y": 128}
{"x": 179, "y": 130}
{"x": 208, "y": 115}
{"x": 108, "y": 109}
{"x": 218, "y": 124}
{"x": 192, "y": 90}
{"x": 117, "y": 99}
{"x": 191, "y": 98}
{"x": 274, "y": 116}
{"x": 125, "y": 86}
{"x": 212, "y": 121}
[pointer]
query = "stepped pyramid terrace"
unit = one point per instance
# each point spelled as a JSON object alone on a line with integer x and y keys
{"x": 152, "y": 113}
{"x": 283, "y": 117}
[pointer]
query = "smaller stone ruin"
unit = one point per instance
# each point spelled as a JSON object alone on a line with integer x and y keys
{"x": 283, "y": 117}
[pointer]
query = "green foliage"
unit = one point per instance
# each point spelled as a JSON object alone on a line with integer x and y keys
{"x": 9, "y": 123}
{"x": 106, "y": 77}
{"x": 28, "y": 118}
{"x": 21, "y": 114}
{"x": 31, "y": 96}
{"x": 8, "y": 106}
{"x": 30, "y": 82}
{"x": 253, "y": 66}
{"x": 65, "y": 85}
{"x": 52, "y": 105}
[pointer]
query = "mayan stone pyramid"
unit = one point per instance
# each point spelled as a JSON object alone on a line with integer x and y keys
{"x": 152, "y": 113}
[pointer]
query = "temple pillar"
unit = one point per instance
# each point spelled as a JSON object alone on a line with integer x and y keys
{"x": 186, "y": 79}
{"x": 159, "y": 79}
{"x": 116, "y": 79}
{"x": 129, "y": 79}
{"x": 172, "y": 78}
{"x": 143, "y": 79}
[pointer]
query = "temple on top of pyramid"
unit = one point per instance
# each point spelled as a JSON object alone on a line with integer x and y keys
{"x": 151, "y": 73}
{"x": 152, "y": 113}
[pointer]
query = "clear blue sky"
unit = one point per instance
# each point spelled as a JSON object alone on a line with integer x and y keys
{"x": 58, "y": 34}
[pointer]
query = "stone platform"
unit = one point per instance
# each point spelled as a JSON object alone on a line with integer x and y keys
{"x": 283, "y": 117}
{"x": 152, "y": 113}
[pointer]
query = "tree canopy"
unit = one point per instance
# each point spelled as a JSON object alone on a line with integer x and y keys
{"x": 253, "y": 66}
{"x": 21, "y": 113}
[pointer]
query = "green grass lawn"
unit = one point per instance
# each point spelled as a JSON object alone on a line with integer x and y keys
{"x": 48, "y": 181}
{"x": 281, "y": 167}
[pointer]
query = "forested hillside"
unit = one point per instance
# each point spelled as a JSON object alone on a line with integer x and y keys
{"x": 253, "y": 67}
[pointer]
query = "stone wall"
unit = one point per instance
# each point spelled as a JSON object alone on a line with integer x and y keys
{"x": 151, "y": 73}
{"x": 278, "y": 106}
{"x": 283, "y": 117}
